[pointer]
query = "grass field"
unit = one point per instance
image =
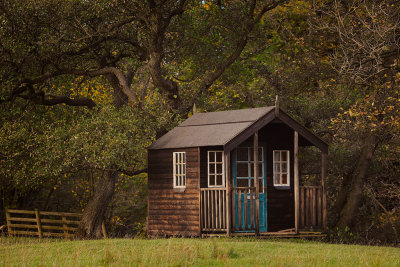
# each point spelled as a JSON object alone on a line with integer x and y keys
{"x": 198, "y": 252}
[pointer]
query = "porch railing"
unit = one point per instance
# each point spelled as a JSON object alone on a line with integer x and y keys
{"x": 243, "y": 208}
{"x": 311, "y": 208}
{"x": 213, "y": 209}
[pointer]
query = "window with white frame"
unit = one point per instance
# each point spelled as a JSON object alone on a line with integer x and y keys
{"x": 281, "y": 167}
{"x": 179, "y": 166}
{"x": 245, "y": 167}
{"x": 215, "y": 169}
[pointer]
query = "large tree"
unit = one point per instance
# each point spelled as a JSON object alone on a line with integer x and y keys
{"x": 183, "y": 46}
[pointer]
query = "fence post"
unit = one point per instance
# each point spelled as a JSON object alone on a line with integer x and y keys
{"x": 38, "y": 223}
{"x": 8, "y": 219}
{"x": 64, "y": 219}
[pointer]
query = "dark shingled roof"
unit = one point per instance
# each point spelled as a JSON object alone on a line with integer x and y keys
{"x": 210, "y": 129}
{"x": 228, "y": 128}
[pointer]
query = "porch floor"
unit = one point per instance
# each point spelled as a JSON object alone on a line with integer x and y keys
{"x": 290, "y": 233}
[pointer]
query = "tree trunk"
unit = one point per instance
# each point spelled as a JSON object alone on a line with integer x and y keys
{"x": 353, "y": 198}
{"x": 93, "y": 216}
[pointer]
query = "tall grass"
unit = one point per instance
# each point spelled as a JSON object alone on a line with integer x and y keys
{"x": 184, "y": 252}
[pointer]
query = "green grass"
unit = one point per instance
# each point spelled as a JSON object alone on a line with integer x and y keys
{"x": 198, "y": 252}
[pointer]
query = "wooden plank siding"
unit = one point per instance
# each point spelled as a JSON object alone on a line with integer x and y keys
{"x": 280, "y": 202}
{"x": 173, "y": 212}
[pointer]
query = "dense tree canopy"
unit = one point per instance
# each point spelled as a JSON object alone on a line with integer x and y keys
{"x": 86, "y": 86}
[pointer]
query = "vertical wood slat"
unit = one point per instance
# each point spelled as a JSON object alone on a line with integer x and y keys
{"x": 207, "y": 210}
{"x": 245, "y": 210}
{"x": 8, "y": 219}
{"x": 233, "y": 209}
{"x": 302, "y": 207}
{"x": 314, "y": 202}
{"x": 319, "y": 207}
{"x": 251, "y": 209}
{"x": 310, "y": 207}
{"x": 307, "y": 204}
{"x": 38, "y": 223}
{"x": 240, "y": 208}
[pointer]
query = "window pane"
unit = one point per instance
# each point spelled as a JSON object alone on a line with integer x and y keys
{"x": 260, "y": 170}
{"x": 277, "y": 179}
{"x": 184, "y": 169}
{"x": 277, "y": 167}
{"x": 212, "y": 168}
{"x": 211, "y": 156}
{"x": 183, "y": 157}
{"x": 242, "y": 169}
{"x": 212, "y": 179}
{"x": 252, "y": 182}
{"x": 219, "y": 179}
{"x": 242, "y": 182}
{"x": 283, "y": 156}
{"x": 219, "y": 156}
{"x": 260, "y": 154}
{"x": 219, "y": 167}
{"x": 276, "y": 155}
{"x": 284, "y": 167}
{"x": 261, "y": 183}
{"x": 242, "y": 154}
{"x": 284, "y": 178}
{"x": 184, "y": 180}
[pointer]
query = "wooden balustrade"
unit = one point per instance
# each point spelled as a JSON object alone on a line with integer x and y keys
{"x": 311, "y": 207}
{"x": 213, "y": 209}
{"x": 243, "y": 208}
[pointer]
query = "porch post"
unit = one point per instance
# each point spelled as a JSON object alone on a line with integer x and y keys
{"x": 296, "y": 182}
{"x": 228, "y": 192}
{"x": 323, "y": 175}
{"x": 256, "y": 183}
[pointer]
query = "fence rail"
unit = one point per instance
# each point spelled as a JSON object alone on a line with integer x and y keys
{"x": 311, "y": 208}
{"x": 42, "y": 223}
{"x": 213, "y": 209}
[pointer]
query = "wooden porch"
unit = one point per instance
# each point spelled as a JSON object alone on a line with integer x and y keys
{"x": 235, "y": 211}
{"x": 215, "y": 212}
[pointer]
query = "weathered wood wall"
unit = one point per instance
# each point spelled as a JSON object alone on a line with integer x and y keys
{"x": 171, "y": 212}
{"x": 280, "y": 201}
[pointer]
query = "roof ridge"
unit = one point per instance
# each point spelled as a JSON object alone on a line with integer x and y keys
{"x": 229, "y": 122}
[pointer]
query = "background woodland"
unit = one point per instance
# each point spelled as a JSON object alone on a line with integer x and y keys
{"x": 87, "y": 85}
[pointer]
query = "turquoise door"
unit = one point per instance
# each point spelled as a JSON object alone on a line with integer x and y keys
{"x": 243, "y": 176}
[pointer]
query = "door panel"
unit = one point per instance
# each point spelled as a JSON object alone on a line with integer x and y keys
{"x": 244, "y": 200}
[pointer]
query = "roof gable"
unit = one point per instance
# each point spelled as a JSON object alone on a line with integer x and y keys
{"x": 229, "y": 128}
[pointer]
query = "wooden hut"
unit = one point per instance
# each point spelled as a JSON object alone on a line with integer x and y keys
{"x": 201, "y": 176}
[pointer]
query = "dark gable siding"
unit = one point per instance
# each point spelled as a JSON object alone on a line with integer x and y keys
{"x": 173, "y": 213}
{"x": 280, "y": 202}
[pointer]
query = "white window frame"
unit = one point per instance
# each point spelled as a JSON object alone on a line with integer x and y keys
{"x": 179, "y": 169}
{"x": 215, "y": 162}
{"x": 250, "y": 164}
{"x": 279, "y": 161}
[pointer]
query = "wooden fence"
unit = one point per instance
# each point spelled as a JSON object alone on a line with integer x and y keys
{"x": 42, "y": 223}
{"x": 311, "y": 208}
{"x": 213, "y": 209}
